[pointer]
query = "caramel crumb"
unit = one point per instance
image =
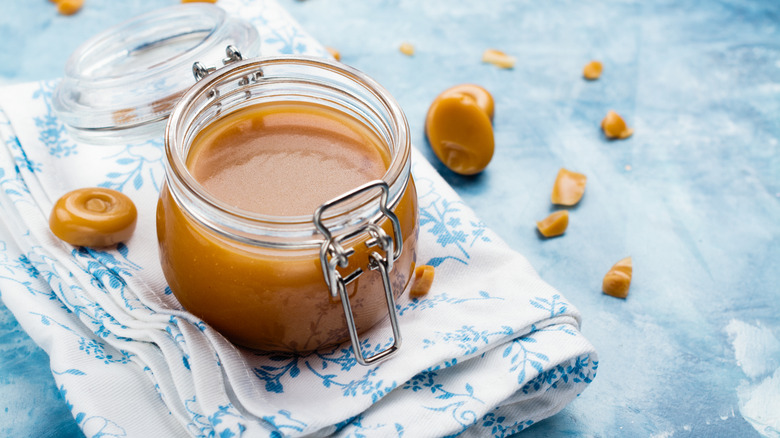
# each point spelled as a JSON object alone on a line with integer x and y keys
{"x": 554, "y": 224}
{"x": 498, "y": 58}
{"x": 334, "y": 53}
{"x": 198, "y": 1}
{"x": 422, "y": 281}
{"x": 628, "y": 167}
{"x": 568, "y": 188}
{"x": 69, "y": 7}
{"x": 615, "y": 127}
{"x": 407, "y": 49}
{"x": 592, "y": 71}
{"x": 618, "y": 279}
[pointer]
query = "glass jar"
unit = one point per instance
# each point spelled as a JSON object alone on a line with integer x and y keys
{"x": 120, "y": 85}
{"x": 290, "y": 283}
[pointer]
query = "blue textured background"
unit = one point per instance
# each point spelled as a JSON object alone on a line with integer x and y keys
{"x": 698, "y": 207}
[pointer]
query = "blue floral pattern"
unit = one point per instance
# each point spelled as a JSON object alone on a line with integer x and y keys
{"x": 456, "y": 404}
{"x": 90, "y": 346}
{"x": 326, "y": 366}
{"x": 108, "y": 271}
{"x": 51, "y": 131}
{"x": 136, "y": 164}
{"x": 12, "y": 143}
{"x": 433, "y": 300}
{"x": 224, "y": 419}
{"x": 20, "y": 271}
{"x": 443, "y": 218}
{"x": 500, "y": 426}
{"x": 100, "y": 427}
{"x": 468, "y": 339}
{"x": 354, "y": 428}
{"x": 13, "y": 186}
{"x": 284, "y": 423}
{"x": 555, "y": 304}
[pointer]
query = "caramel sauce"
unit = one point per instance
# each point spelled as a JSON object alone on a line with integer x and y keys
{"x": 285, "y": 159}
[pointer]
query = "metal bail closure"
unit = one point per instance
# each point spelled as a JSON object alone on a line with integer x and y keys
{"x": 200, "y": 71}
{"x": 333, "y": 255}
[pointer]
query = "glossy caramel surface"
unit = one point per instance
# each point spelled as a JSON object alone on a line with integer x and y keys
{"x": 285, "y": 159}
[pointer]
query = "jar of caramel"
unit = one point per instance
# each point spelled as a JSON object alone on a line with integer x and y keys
{"x": 288, "y": 218}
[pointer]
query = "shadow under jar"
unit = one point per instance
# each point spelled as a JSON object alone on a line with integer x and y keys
{"x": 289, "y": 210}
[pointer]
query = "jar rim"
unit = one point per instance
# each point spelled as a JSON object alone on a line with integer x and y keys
{"x": 396, "y": 175}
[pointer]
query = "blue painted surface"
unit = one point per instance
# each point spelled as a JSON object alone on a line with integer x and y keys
{"x": 30, "y": 404}
{"x": 693, "y": 196}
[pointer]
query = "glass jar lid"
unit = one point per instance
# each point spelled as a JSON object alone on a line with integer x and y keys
{"x": 122, "y": 84}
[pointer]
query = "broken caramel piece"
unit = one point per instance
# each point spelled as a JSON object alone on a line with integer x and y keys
{"x": 618, "y": 279}
{"x": 615, "y": 127}
{"x": 498, "y": 58}
{"x": 407, "y": 49}
{"x": 422, "y": 281}
{"x": 554, "y": 224}
{"x": 592, "y": 71}
{"x": 568, "y": 188}
{"x": 334, "y": 53}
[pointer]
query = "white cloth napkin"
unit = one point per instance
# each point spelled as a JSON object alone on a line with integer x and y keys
{"x": 489, "y": 351}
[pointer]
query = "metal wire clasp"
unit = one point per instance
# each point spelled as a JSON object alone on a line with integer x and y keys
{"x": 333, "y": 255}
{"x": 200, "y": 71}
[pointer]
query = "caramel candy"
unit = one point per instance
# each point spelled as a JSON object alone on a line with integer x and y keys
{"x": 568, "y": 188}
{"x": 459, "y": 129}
{"x": 422, "y": 281}
{"x": 94, "y": 216}
{"x": 618, "y": 279}
{"x": 554, "y": 224}
{"x": 615, "y": 127}
{"x": 592, "y": 71}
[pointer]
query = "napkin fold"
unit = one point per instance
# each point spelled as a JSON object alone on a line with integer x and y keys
{"x": 489, "y": 351}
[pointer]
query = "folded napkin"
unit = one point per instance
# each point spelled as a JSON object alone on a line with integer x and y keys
{"x": 489, "y": 351}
